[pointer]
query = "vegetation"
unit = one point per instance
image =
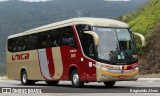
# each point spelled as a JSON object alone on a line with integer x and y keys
{"x": 145, "y": 20}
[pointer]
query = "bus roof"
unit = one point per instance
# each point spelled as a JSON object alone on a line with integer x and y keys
{"x": 84, "y": 20}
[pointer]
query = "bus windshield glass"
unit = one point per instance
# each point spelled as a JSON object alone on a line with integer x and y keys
{"x": 115, "y": 45}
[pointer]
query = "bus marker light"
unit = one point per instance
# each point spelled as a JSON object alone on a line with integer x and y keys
{"x": 90, "y": 64}
{"x": 81, "y": 59}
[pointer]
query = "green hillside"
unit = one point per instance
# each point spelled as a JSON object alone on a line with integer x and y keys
{"x": 146, "y": 20}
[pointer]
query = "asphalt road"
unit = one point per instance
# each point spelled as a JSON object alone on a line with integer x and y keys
{"x": 66, "y": 87}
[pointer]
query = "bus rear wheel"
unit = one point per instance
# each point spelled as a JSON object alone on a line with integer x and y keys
{"x": 76, "y": 82}
{"x": 24, "y": 79}
{"x": 52, "y": 82}
{"x": 109, "y": 84}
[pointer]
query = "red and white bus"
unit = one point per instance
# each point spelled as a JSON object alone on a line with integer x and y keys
{"x": 79, "y": 49}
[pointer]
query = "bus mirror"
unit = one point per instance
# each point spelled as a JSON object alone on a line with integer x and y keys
{"x": 95, "y": 36}
{"x": 141, "y": 36}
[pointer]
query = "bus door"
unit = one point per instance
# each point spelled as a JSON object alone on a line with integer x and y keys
{"x": 69, "y": 49}
{"x": 89, "y": 51}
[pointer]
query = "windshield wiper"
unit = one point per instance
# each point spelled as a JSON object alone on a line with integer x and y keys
{"x": 124, "y": 52}
{"x": 127, "y": 55}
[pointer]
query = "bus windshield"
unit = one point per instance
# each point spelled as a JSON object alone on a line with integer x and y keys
{"x": 115, "y": 45}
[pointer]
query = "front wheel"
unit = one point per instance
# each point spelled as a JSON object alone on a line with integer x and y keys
{"x": 109, "y": 84}
{"x": 76, "y": 82}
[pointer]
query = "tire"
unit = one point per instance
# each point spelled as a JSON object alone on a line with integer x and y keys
{"x": 24, "y": 79}
{"x": 76, "y": 82}
{"x": 109, "y": 84}
{"x": 52, "y": 82}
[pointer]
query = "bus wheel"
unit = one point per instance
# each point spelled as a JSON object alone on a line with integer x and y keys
{"x": 109, "y": 84}
{"x": 76, "y": 80}
{"x": 52, "y": 82}
{"x": 24, "y": 79}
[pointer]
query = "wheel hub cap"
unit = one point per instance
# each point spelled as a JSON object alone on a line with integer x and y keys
{"x": 24, "y": 78}
{"x": 75, "y": 78}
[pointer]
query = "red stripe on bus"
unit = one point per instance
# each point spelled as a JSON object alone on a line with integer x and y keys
{"x": 50, "y": 61}
{"x": 40, "y": 66}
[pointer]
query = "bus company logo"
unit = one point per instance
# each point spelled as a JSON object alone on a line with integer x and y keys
{"x": 20, "y": 56}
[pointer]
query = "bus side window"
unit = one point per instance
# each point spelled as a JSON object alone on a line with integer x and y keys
{"x": 43, "y": 40}
{"x": 68, "y": 36}
{"x": 16, "y": 45}
{"x": 32, "y": 41}
{"x": 11, "y": 45}
{"x": 55, "y": 37}
{"x": 22, "y": 43}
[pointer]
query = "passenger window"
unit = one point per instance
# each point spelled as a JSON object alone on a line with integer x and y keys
{"x": 68, "y": 37}
{"x": 16, "y": 46}
{"x": 12, "y": 45}
{"x": 52, "y": 38}
{"x": 55, "y": 37}
{"x": 23, "y": 43}
{"x": 32, "y": 42}
{"x": 43, "y": 40}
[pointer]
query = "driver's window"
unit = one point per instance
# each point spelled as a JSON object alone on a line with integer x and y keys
{"x": 88, "y": 45}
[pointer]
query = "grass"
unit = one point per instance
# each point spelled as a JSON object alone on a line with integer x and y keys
{"x": 3, "y": 78}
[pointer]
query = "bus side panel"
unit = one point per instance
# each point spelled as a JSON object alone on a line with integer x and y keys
{"x": 27, "y": 60}
{"x": 58, "y": 64}
{"x": 14, "y": 65}
{"x": 34, "y": 72}
{"x": 73, "y": 57}
{"x": 46, "y": 63}
{"x": 90, "y": 69}
{"x": 68, "y": 54}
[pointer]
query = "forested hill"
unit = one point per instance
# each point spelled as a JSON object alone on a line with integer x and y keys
{"x": 146, "y": 20}
{"x": 17, "y": 16}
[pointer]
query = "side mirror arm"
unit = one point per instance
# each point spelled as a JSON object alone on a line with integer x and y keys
{"x": 142, "y": 38}
{"x": 95, "y": 36}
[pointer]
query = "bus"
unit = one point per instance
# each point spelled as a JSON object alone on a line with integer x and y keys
{"x": 79, "y": 50}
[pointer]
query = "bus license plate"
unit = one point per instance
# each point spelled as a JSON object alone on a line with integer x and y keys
{"x": 122, "y": 76}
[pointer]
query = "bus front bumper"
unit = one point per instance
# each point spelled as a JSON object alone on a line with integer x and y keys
{"x": 117, "y": 73}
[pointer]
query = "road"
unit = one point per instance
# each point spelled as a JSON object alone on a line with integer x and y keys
{"x": 65, "y": 87}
